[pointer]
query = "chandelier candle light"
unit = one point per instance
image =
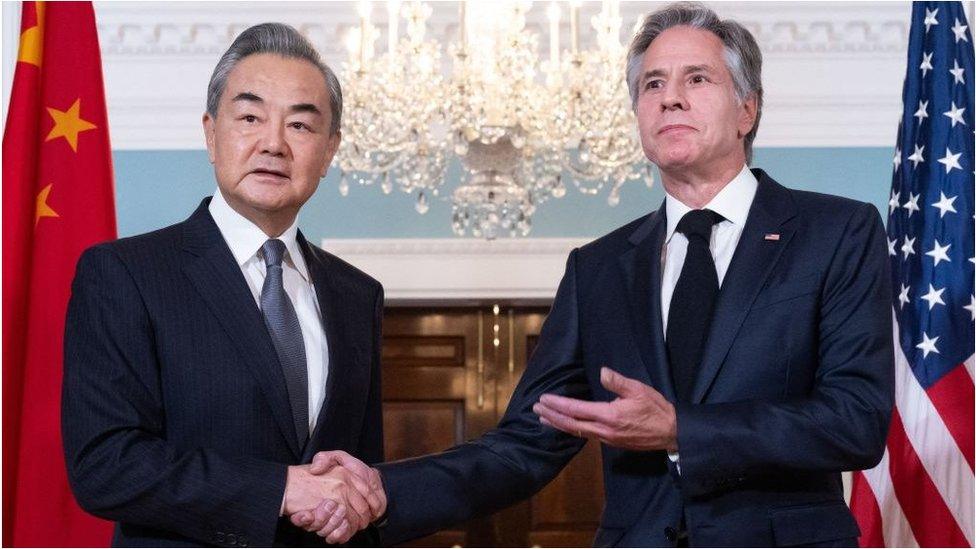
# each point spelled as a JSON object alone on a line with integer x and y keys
{"x": 517, "y": 124}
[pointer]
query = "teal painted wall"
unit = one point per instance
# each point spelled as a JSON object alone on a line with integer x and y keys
{"x": 158, "y": 188}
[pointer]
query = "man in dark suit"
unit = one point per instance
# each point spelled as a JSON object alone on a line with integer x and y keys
{"x": 732, "y": 350}
{"x": 205, "y": 362}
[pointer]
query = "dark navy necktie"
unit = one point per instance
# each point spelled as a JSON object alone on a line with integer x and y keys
{"x": 286, "y": 333}
{"x": 692, "y": 303}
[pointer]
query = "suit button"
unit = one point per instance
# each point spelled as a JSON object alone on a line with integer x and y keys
{"x": 242, "y": 541}
{"x": 671, "y": 534}
{"x": 231, "y": 539}
{"x": 220, "y": 537}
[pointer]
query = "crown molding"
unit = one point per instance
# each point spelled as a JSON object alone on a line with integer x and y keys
{"x": 460, "y": 270}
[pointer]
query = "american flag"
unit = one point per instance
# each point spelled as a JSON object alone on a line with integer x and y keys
{"x": 922, "y": 492}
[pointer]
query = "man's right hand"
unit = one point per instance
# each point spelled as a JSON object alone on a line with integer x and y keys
{"x": 335, "y": 496}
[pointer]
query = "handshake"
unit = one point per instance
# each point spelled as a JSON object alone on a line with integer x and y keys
{"x": 335, "y": 496}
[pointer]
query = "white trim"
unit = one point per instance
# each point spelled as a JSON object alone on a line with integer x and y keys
{"x": 460, "y": 270}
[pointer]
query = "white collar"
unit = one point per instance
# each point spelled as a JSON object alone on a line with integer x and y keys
{"x": 245, "y": 238}
{"x": 732, "y": 202}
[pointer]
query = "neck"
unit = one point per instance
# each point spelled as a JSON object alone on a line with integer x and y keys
{"x": 273, "y": 224}
{"x": 696, "y": 189}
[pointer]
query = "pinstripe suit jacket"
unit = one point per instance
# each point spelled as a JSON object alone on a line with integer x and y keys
{"x": 175, "y": 416}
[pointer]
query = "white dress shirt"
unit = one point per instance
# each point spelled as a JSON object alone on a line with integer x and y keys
{"x": 245, "y": 240}
{"x": 732, "y": 203}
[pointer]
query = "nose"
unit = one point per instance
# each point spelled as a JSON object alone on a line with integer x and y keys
{"x": 673, "y": 97}
{"x": 273, "y": 140}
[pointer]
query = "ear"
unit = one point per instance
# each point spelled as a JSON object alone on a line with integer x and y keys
{"x": 331, "y": 146}
{"x": 747, "y": 115}
{"x": 209, "y": 129}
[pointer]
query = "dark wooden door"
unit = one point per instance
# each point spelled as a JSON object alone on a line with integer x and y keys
{"x": 448, "y": 374}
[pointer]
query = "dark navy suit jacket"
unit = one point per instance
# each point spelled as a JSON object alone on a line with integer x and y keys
{"x": 176, "y": 420}
{"x": 796, "y": 386}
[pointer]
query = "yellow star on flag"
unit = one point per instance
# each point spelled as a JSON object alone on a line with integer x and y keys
{"x": 68, "y": 124}
{"x": 32, "y": 40}
{"x": 42, "y": 209}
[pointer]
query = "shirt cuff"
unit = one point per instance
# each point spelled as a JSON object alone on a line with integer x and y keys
{"x": 674, "y": 457}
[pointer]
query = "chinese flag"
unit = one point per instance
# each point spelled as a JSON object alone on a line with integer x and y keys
{"x": 57, "y": 201}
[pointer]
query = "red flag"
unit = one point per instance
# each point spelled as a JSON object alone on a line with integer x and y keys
{"x": 57, "y": 201}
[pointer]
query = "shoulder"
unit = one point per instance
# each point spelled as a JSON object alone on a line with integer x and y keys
{"x": 820, "y": 205}
{"x": 342, "y": 272}
{"x": 820, "y": 211}
{"x": 614, "y": 243}
{"x": 149, "y": 251}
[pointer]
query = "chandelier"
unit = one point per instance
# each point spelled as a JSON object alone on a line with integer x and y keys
{"x": 519, "y": 125}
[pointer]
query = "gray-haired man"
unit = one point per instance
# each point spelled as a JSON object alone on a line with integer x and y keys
{"x": 731, "y": 351}
{"x": 205, "y": 362}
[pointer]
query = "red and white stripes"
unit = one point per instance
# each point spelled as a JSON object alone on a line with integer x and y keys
{"x": 922, "y": 492}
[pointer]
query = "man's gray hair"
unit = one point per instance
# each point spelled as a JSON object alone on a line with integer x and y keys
{"x": 742, "y": 55}
{"x": 278, "y": 39}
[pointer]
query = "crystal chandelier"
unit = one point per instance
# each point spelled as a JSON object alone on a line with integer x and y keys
{"x": 517, "y": 124}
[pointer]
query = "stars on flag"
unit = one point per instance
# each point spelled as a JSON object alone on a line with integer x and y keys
{"x": 68, "y": 124}
{"x": 897, "y": 159}
{"x": 923, "y": 108}
{"x": 926, "y": 65}
{"x": 950, "y": 160}
{"x": 934, "y": 297}
{"x": 917, "y": 157}
{"x": 955, "y": 114}
{"x": 893, "y": 204}
{"x": 41, "y": 208}
{"x": 939, "y": 253}
{"x": 945, "y": 203}
{"x": 960, "y": 31}
{"x": 891, "y": 246}
{"x": 928, "y": 345}
{"x": 930, "y": 20}
{"x": 908, "y": 248}
{"x": 903, "y": 296}
{"x": 912, "y": 204}
{"x": 972, "y": 306}
{"x": 957, "y": 72}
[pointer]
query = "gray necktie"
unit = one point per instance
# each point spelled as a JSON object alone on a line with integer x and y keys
{"x": 286, "y": 333}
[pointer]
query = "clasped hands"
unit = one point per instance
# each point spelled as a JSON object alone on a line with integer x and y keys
{"x": 335, "y": 496}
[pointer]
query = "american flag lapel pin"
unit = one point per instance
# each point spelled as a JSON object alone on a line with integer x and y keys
{"x": 771, "y": 236}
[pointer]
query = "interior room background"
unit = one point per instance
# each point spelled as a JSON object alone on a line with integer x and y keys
{"x": 464, "y": 312}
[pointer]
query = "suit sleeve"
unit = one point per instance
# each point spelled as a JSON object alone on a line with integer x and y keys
{"x": 508, "y": 463}
{"x": 120, "y": 465}
{"x": 842, "y": 424}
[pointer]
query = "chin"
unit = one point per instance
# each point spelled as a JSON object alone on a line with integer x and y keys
{"x": 675, "y": 158}
{"x": 266, "y": 200}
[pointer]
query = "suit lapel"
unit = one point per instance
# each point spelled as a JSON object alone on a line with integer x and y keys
{"x": 641, "y": 266}
{"x": 754, "y": 259}
{"x": 211, "y": 268}
{"x": 329, "y": 426}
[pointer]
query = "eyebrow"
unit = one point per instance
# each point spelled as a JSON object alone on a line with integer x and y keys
{"x": 298, "y": 107}
{"x": 687, "y": 69}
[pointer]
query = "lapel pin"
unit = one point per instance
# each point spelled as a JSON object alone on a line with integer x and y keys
{"x": 771, "y": 236}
